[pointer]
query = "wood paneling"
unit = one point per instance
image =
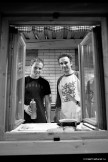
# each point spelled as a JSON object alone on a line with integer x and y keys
{"x": 54, "y": 44}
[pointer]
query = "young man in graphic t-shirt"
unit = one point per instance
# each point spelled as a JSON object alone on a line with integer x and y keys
{"x": 68, "y": 91}
{"x": 37, "y": 88}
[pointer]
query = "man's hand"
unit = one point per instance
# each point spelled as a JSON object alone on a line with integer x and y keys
{"x": 73, "y": 99}
{"x": 27, "y": 109}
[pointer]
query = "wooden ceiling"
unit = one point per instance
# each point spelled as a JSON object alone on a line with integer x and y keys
{"x": 51, "y": 32}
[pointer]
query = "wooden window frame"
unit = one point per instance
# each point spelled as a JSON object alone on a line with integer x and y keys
{"x": 99, "y": 78}
{"x": 9, "y": 136}
{"x": 16, "y": 65}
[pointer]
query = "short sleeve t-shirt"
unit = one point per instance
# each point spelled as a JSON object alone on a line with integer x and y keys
{"x": 36, "y": 89}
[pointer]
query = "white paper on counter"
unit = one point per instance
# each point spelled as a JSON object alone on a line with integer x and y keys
{"x": 37, "y": 127}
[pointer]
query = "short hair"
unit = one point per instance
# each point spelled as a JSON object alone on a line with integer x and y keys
{"x": 65, "y": 55}
{"x": 36, "y": 59}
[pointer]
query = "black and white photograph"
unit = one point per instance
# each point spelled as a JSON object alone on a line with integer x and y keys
{"x": 54, "y": 80}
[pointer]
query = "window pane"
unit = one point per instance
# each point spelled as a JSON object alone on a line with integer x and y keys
{"x": 89, "y": 81}
{"x": 20, "y": 81}
{"x": 19, "y": 100}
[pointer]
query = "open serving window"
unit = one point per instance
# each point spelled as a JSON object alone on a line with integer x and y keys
{"x": 90, "y": 55}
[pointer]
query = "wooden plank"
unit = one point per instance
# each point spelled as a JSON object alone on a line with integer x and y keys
{"x": 54, "y": 147}
{"x": 3, "y": 76}
{"x": 75, "y": 20}
{"x": 13, "y": 89}
{"x": 104, "y": 27}
{"x": 63, "y": 134}
{"x": 54, "y": 44}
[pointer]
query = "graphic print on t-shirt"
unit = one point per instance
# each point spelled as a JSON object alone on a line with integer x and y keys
{"x": 33, "y": 85}
{"x": 68, "y": 91}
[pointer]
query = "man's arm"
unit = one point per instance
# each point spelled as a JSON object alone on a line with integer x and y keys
{"x": 57, "y": 104}
{"x": 48, "y": 107}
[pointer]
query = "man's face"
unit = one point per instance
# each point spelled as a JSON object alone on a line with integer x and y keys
{"x": 36, "y": 69}
{"x": 65, "y": 64}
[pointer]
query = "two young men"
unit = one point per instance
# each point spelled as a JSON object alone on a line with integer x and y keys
{"x": 68, "y": 93}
